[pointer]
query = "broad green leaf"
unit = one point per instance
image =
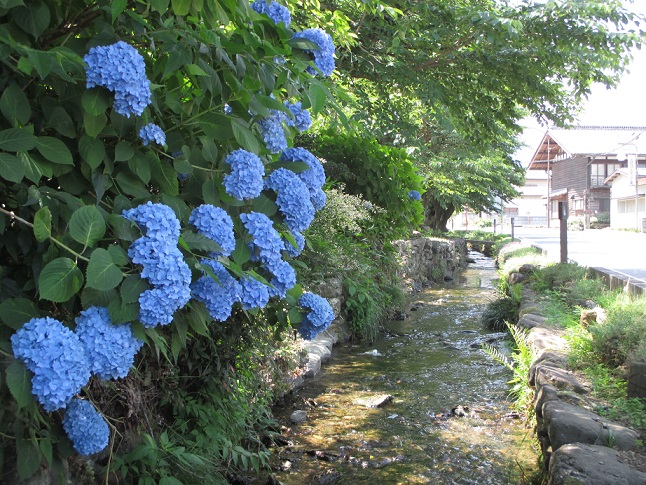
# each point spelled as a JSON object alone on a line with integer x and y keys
{"x": 117, "y": 7}
{"x": 87, "y": 225}
{"x": 47, "y": 450}
{"x": 92, "y": 151}
{"x": 19, "y": 383}
{"x": 61, "y": 121}
{"x": 131, "y": 185}
{"x": 95, "y": 101}
{"x": 317, "y": 97}
{"x": 195, "y": 70}
{"x": 140, "y": 166}
{"x": 132, "y": 287}
{"x": 94, "y": 124}
{"x": 123, "y": 312}
{"x": 35, "y": 167}
{"x": 119, "y": 255}
{"x": 242, "y": 253}
{"x": 199, "y": 242}
{"x": 60, "y": 280}
{"x": 245, "y": 137}
{"x": 123, "y": 151}
{"x": 264, "y": 205}
{"x": 28, "y": 458}
{"x": 54, "y": 150}
{"x": 43, "y": 62}
{"x": 11, "y": 3}
{"x": 198, "y": 318}
{"x": 210, "y": 192}
{"x": 165, "y": 175}
{"x": 15, "y": 105}
{"x": 43, "y": 224}
{"x": 302, "y": 43}
{"x": 17, "y": 140}
{"x": 170, "y": 481}
{"x": 160, "y": 5}
{"x": 11, "y": 168}
{"x": 14, "y": 312}
{"x": 33, "y": 18}
{"x": 181, "y": 7}
{"x": 91, "y": 297}
{"x": 102, "y": 274}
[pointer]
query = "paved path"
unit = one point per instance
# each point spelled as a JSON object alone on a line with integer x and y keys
{"x": 621, "y": 251}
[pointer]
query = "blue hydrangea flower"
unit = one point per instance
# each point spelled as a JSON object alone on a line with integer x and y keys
{"x": 324, "y": 55}
{"x": 265, "y": 237}
{"x": 163, "y": 264}
{"x": 284, "y": 278}
{"x": 254, "y": 294}
{"x": 276, "y": 12}
{"x": 227, "y": 109}
{"x": 302, "y": 119}
{"x": 159, "y": 220}
{"x": 299, "y": 239}
{"x": 273, "y": 133}
{"x": 217, "y": 225}
{"x": 313, "y": 178}
{"x": 151, "y": 132}
{"x": 110, "y": 349}
{"x": 121, "y": 69}
{"x": 218, "y": 296}
{"x": 415, "y": 195}
{"x": 56, "y": 357}
{"x": 293, "y": 199}
{"x": 319, "y": 317}
{"x": 245, "y": 180}
{"x": 86, "y": 427}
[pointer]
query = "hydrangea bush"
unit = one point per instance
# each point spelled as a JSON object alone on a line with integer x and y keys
{"x": 151, "y": 188}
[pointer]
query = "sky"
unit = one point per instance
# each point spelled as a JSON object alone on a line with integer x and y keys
{"x": 624, "y": 105}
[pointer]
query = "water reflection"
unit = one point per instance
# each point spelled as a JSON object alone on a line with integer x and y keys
{"x": 430, "y": 364}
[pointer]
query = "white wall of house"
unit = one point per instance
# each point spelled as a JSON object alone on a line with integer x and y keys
{"x": 531, "y": 206}
{"x": 622, "y": 203}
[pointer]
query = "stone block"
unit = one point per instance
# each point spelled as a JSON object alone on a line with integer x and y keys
{"x": 531, "y": 320}
{"x": 540, "y": 339}
{"x": 568, "y": 424}
{"x": 591, "y": 465}
{"x": 313, "y": 365}
{"x": 546, "y": 373}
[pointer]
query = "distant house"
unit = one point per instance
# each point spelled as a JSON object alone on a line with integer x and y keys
{"x": 627, "y": 199}
{"x": 579, "y": 162}
{"x": 530, "y": 207}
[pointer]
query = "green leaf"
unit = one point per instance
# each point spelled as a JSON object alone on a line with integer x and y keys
{"x": 14, "y": 105}
{"x": 28, "y": 458}
{"x": 317, "y": 97}
{"x": 244, "y": 136}
{"x": 242, "y": 253}
{"x": 199, "y": 242}
{"x": 87, "y": 225}
{"x": 131, "y": 185}
{"x": 33, "y": 18}
{"x": 11, "y": 168}
{"x": 14, "y": 312}
{"x": 11, "y": 3}
{"x": 61, "y": 121}
{"x": 199, "y": 318}
{"x": 210, "y": 192}
{"x": 92, "y": 151}
{"x": 43, "y": 224}
{"x": 165, "y": 175}
{"x": 54, "y": 150}
{"x": 19, "y": 383}
{"x": 140, "y": 166}
{"x": 132, "y": 287}
{"x": 94, "y": 124}
{"x": 159, "y": 5}
{"x": 119, "y": 255}
{"x": 302, "y": 43}
{"x": 60, "y": 280}
{"x": 117, "y": 7}
{"x": 46, "y": 450}
{"x": 35, "y": 168}
{"x": 102, "y": 273}
{"x": 123, "y": 151}
{"x": 170, "y": 481}
{"x": 17, "y": 140}
{"x": 91, "y": 297}
{"x": 264, "y": 205}
{"x": 95, "y": 101}
{"x": 181, "y": 7}
{"x": 123, "y": 312}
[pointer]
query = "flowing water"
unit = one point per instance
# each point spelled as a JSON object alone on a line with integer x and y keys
{"x": 430, "y": 364}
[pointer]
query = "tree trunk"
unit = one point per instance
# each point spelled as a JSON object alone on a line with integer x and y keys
{"x": 436, "y": 216}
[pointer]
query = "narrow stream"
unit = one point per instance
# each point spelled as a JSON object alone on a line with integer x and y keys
{"x": 430, "y": 364}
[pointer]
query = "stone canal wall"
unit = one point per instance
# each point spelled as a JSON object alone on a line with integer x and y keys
{"x": 578, "y": 446}
{"x": 423, "y": 261}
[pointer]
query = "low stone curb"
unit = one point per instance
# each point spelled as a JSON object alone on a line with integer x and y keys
{"x": 578, "y": 445}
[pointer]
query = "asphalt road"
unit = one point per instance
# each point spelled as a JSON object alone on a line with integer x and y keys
{"x": 621, "y": 251}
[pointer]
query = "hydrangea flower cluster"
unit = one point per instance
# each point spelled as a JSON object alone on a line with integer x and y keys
{"x": 218, "y": 296}
{"x": 163, "y": 263}
{"x": 217, "y": 225}
{"x": 313, "y": 178}
{"x": 56, "y": 357}
{"x": 302, "y": 119}
{"x": 415, "y": 195}
{"x": 152, "y": 133}
{"x": 245, "y": 180}
{"x": 299, "y": 239}
{"x": 293, "y": 199}
{"x": 284, "y": 278}
{"x": 254, "y": 294}
{"x": 110, "y": 349}
{"x": 319, "y": 317}
{"x": 85, "y": 426}
{"x": 276, "y": 12}
{"x": 324, "y": 55}
{"x": 265, "y": 238}
{"x": 121, "y": 69}
{"x": 273, "y": 133}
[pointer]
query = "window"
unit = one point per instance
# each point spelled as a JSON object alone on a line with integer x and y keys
{"x": 601, "y": 171}
{"x": 626, "y": 206}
